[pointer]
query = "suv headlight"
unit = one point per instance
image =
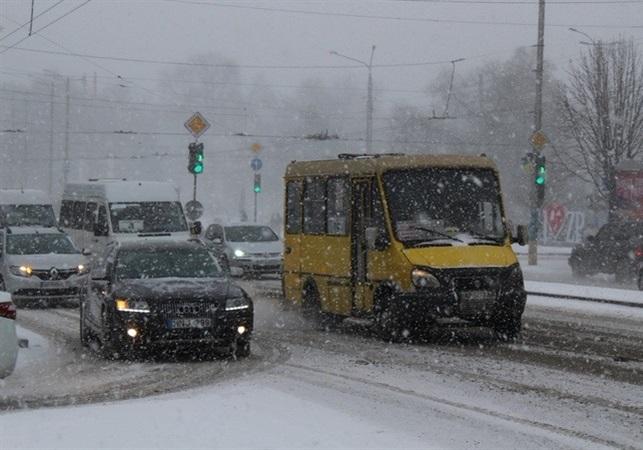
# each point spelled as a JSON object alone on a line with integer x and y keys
{"x": 236, "y": 304}
{"x": 20, "y": 271}
{"x": 136, "y": 306}
{"x": 423, "y": 279}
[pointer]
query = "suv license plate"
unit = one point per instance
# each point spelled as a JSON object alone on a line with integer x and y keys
{"x": 476, "y": 296}
{"x": 189, "y": 323}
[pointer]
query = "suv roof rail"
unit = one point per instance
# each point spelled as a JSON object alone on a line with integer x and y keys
{"x": 365, "y": 155}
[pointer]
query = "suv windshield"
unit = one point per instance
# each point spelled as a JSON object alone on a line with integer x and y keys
{"x": 27, "y": 215}
{"x": 39, "y": 244}
{"x": 249, "y": 233}
{"x": 164, "y": 262}
{"x": 448, "y": 205}
{"x": 147, "y": 217}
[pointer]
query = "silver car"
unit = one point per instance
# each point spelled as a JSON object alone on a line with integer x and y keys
{"x": 40, "y": 265}
{"x": 250, "y": 249}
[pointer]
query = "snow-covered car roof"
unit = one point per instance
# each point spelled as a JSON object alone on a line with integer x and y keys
{"x": 117, "y": 191}
{"x": 23, "y": 197}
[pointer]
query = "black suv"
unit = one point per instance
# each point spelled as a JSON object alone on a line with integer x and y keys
{"x": 146, "y": 294}
{"x": 617, "y": 248}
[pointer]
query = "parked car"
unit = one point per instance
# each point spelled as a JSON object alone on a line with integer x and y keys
{"x": 8, "y": 339}
{"x": 150, "y": 294}
{"x": 617, "y": 248}
{"x": 250, "y": 249}
{"x": 40, "y": 265}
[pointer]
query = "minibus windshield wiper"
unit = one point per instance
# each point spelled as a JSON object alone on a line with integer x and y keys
{"x": 483, "y": 236}
{"x": 439, "y": 233}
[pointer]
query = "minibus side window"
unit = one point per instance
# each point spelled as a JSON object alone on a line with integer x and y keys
{"x": 101, "y": 221}
{"x": 66, "y": 213}
{"x": 79, "y": 215}
{"x": 90, "y": 216}
{"x": 315, "y": 206}
{"x": 293, "y": 207}
{"x": 337, "y": 214}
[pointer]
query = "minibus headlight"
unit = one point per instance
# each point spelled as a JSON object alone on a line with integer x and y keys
{"x": 423, "y": 279}
{"x": 82, "y": 269}
{"x": 236, "y": 304}
{"x": 20, "y": 271}
{"x": 136, "y": 306}
{"x": 239, "y": 253}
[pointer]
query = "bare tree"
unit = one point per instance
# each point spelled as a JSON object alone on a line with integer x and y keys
{"x": 603, "y": 112}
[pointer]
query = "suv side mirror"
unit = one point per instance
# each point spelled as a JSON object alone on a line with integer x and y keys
{"x": 86, "y": 252}
{"x": 521, "y": 235}
{"x": 375, "y": 239}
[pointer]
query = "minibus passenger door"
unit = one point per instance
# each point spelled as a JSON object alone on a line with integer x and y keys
{"x": 360, "y": 213}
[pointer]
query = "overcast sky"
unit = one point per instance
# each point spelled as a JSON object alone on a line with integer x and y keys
{"x": 301, "y": 33}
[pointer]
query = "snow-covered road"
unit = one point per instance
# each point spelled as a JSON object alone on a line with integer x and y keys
{"x": 575, "y": 381}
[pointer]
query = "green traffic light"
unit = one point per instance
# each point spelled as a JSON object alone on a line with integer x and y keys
{"x": 198, "y": 168}
{"x": 257, "y": 189}
{"x": 541, "y": 175}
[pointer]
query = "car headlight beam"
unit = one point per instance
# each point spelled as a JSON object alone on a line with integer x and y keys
{"x": 236, "y": 304}
{"x": 135, "y": 306}
{"x": 21, "y": 271}
{"x": 423, "y": 279}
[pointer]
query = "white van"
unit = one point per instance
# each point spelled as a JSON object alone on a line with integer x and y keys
{"x": 26, "y": 207}
{"x": 101, "y": 211}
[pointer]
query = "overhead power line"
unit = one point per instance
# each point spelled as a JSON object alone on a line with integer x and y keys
{"x": 28, "y": 22}
{"x": 382, "y": 17}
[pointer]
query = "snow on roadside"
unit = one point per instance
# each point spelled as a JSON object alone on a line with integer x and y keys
{"x": 625, "y": 295}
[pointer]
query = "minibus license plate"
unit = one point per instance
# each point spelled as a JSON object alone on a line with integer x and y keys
{"x": 476, "y": 295}
{"x": 189, "y": 323}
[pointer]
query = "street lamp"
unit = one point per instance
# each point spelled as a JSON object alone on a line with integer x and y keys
{"x": 369, "y": 99}
{"x": 592, "y": 42}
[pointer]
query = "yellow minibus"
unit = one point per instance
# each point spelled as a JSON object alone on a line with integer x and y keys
{"x": 402, "y": 241}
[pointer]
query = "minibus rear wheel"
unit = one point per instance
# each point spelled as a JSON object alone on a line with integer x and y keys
{"x": 312, "y": 309}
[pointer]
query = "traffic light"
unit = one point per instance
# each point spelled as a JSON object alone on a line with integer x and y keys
{"x": 540, "y": 179}
{"x": 257, "y": 187}
{"x": 195, "y": 158}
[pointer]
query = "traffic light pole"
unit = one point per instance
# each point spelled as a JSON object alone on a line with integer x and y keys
{"x": 255, "y": 215}
{"x": 533, "y": 225}
{"x": 194, "y": 189}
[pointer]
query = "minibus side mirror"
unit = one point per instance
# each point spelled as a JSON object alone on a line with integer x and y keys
{"x": 100, "y": 229}
{"x": 86, "y": 252}
{"x": 196, "y": 228}
{"x": 521, "y": 235}
{"x": 375, "y": 239}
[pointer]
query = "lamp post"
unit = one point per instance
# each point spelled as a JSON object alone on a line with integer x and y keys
{"x": 369, "y": 98}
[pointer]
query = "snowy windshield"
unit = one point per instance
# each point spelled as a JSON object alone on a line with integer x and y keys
{"x": 248, "y": 233}
{"x": 438, "y": 204}
{"x": 147, "y": 217}
{"x": 166, "y": 263}
{"x": 27, "y": 215}
{"x": 39, "y": 244}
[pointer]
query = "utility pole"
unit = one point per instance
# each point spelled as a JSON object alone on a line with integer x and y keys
{"x": 51, "y": 138}
{"x": 369, "y": 95}
{"x": 538, "y": 124}
{"x": 66, "y": 158}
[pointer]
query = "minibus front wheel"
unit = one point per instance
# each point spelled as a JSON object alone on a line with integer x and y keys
{"x": 386, "y": 320}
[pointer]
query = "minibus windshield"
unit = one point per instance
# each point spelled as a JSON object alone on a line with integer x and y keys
{"x": 27, "y": 215}
{"x": 445, "y": 206}
{"x": 147, "y": 217}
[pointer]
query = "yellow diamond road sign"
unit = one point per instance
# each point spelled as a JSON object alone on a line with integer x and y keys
{"x": 197, "y": 125}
